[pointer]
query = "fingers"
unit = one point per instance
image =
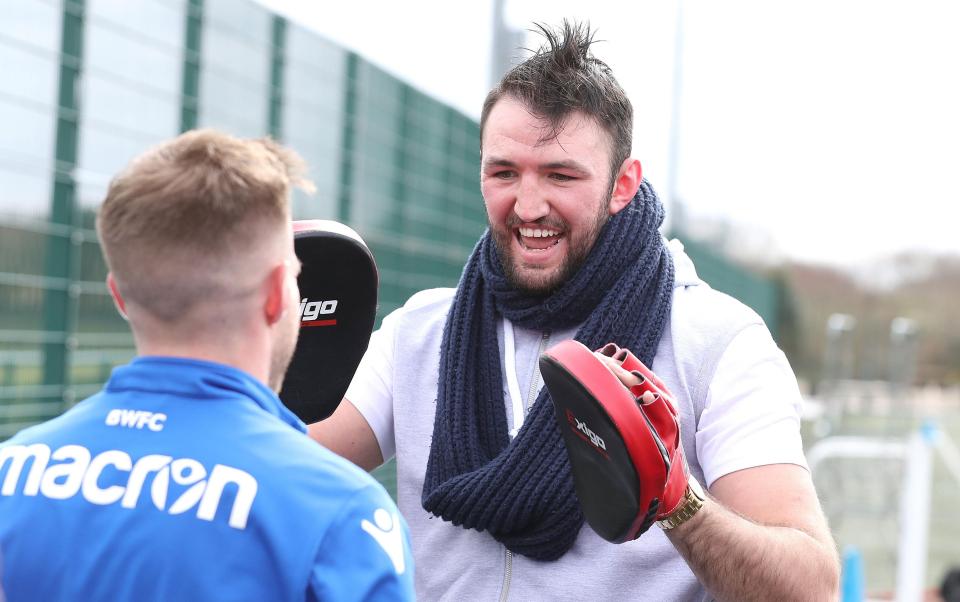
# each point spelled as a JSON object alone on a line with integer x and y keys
{"x": 627, "y": 378}
{"x": 647, "y": 398}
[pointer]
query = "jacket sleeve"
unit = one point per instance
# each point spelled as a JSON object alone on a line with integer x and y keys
{"x": 365, "y": 554}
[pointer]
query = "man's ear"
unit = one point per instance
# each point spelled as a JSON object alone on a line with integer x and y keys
{"x": 275, "y": 303}
{"x": 625, "y": 187}
{"x": 118, "y": 301}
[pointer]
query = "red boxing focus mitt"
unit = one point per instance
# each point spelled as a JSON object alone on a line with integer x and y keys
{"x": 627, "y": 459}
{"x": 338, "y": 305}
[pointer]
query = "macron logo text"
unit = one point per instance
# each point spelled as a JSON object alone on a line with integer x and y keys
{"x": 173, "y": 485}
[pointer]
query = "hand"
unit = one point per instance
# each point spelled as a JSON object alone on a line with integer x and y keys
{"x": 660, "y": 407}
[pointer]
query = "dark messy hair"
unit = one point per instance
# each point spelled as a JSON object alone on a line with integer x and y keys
{"x": 563, "y": 76}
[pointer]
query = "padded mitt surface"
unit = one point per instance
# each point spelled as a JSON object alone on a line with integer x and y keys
{"x": 338, "y": 303}
{"x": 611, "y": 449}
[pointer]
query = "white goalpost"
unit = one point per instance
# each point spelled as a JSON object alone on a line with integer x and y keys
{"x": 916, "y": 453}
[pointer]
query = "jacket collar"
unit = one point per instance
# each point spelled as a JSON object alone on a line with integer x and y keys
{"x": 200, "y": 380}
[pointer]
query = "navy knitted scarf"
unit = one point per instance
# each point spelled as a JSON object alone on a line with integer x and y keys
{"x": 521, "y": 491}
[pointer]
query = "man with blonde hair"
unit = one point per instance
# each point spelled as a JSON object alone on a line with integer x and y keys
{"x": 186, "y": 478}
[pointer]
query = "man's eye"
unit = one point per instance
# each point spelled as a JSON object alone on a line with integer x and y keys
{"x": 505, "y": 174}
{"x": 562, "y": 177}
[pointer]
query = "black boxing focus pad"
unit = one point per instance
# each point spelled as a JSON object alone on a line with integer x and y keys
{"x": 338, "y": 304}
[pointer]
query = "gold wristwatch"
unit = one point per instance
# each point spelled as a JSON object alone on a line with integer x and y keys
{"x": 690, "y": 504}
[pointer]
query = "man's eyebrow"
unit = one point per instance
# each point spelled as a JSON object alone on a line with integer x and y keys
{"x": 498, "y": 162}
{"x": 568, "y": 164}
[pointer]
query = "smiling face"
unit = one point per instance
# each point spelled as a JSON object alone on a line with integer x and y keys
{"x": 546, "y": 199}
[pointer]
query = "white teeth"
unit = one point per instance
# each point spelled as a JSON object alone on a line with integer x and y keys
{"x": 537, "y": 233}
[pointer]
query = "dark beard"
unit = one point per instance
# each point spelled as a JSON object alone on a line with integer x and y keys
{"x": 576, "y": 257}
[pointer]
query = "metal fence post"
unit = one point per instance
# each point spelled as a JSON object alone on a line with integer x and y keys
{"x": 278, "y": 49}
{"x": 60, "y": 302}
{"x": 349, "y": 133}
{"x": 190, "y": 85}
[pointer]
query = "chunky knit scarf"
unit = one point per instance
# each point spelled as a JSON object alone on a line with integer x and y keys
{"x": 521, "y": 491}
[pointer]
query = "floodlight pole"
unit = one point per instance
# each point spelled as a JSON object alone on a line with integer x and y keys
{"x": 676, "y": 216}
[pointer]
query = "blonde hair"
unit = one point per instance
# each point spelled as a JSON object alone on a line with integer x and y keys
{"x": 183, "y": 213}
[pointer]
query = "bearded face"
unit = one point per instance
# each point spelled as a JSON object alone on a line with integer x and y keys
{"x": 546, "y": 200}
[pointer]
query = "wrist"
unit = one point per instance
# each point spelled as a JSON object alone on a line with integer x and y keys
{"x": 690, "y": 505}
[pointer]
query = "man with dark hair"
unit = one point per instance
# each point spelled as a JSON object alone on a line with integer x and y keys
{"x": 450, "y": 383}
{"x": 186, "y": 478}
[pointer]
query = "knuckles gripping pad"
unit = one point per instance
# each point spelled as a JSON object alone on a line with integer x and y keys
{"x": 621, "y": 451}
{"x": 338, "y": 304}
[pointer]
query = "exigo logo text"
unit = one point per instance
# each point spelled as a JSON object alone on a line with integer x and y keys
{"x": 584, "y": 432}
{"x": 311, "y": 312}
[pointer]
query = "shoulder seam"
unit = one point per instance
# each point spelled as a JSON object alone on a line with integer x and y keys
{"x": 708, "y": 369}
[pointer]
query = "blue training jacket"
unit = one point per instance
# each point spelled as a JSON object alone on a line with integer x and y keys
{"x": 189, "y": 480}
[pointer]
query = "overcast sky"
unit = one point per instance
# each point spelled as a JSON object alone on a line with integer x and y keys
{"x": 829, "y": 127}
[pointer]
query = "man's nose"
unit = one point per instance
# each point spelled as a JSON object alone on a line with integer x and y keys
{"x": 531, "y": 203}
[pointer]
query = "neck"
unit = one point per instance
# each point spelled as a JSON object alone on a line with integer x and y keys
{"x": 243, "y": 355}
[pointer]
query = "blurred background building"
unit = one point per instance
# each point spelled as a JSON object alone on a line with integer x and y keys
{"x": 85, "y": 85}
